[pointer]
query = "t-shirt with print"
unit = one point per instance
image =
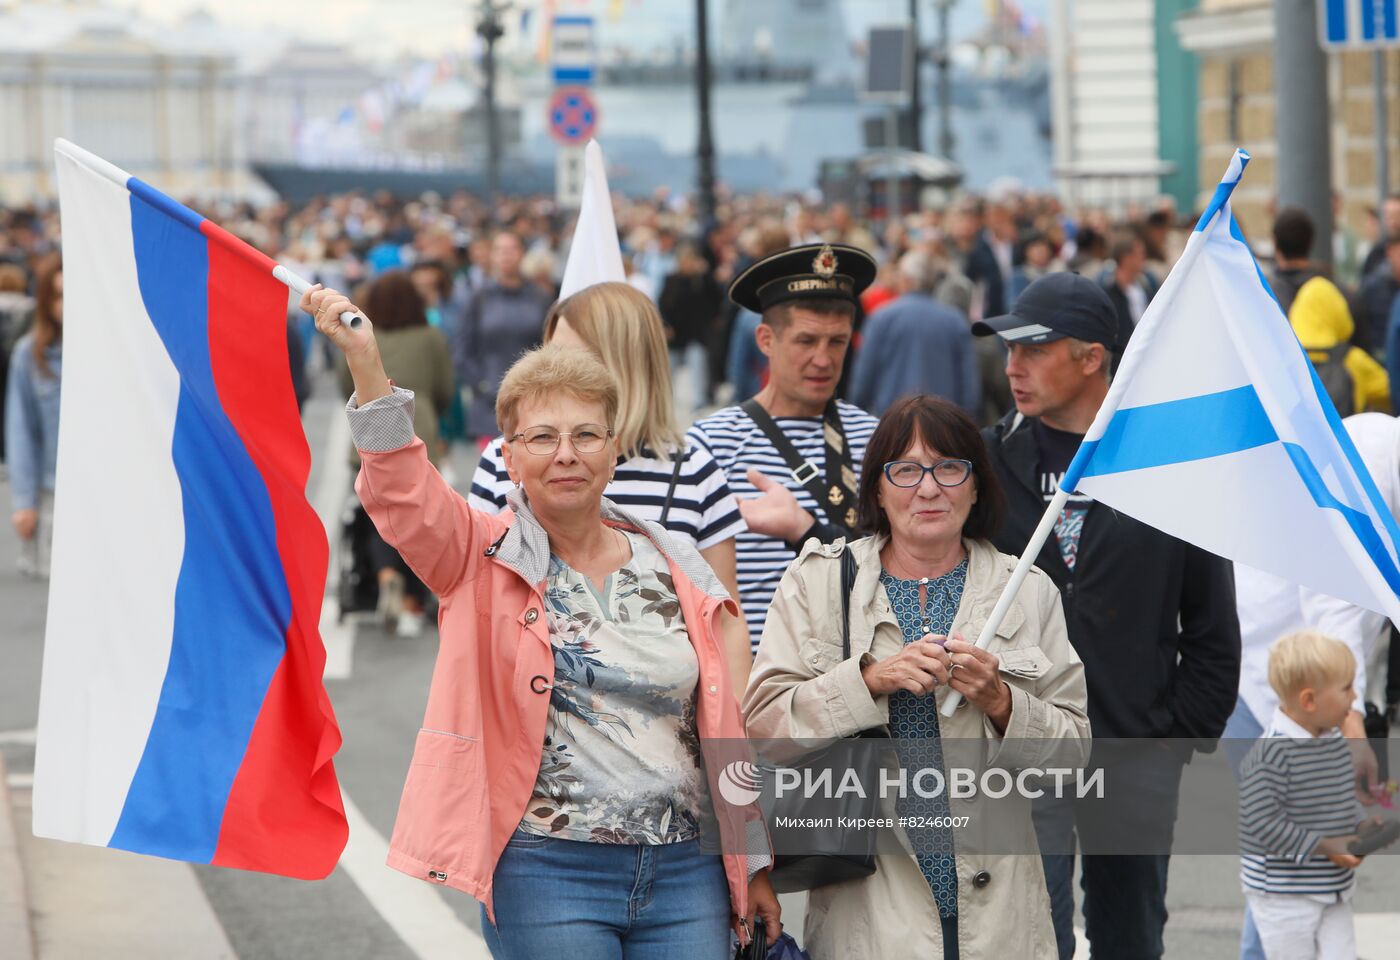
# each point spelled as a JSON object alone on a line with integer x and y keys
{"x": 1056, "y": 449}
{"x": 621, "y": 759}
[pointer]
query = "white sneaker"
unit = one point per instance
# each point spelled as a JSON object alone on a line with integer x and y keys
{"x": 410, "y": 625}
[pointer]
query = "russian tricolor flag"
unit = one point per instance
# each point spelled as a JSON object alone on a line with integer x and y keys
{"x": 182, "y": 712}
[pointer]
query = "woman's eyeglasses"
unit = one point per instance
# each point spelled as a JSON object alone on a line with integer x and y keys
{"x": 543, "y": 441}
{"x": 946, "y": 473}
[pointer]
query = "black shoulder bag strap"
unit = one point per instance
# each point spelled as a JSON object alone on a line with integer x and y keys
{"x": 679, "y": 457}
{"x": 836, "y": 493}
{"x": 848, "y": 582}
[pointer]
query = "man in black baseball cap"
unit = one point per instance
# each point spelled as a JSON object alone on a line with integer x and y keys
{"x": 1153, "y": 618}
{"x": 1056, "y": 306}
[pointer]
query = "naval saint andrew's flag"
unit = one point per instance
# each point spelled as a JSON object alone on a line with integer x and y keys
{"x": 182, "y": 712}
{"x": 1218, "y": 431}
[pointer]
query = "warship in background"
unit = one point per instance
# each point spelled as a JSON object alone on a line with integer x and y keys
{"x": 786, "y": 101}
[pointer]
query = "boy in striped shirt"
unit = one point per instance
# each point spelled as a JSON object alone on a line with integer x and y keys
{"x": 1298, "y": 806}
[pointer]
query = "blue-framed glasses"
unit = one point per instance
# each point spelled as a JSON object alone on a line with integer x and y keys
{"x": 946, "y": 473}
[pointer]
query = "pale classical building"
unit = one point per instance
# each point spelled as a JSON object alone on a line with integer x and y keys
{"x": 1122, "y": 101}
{"x": 186, "y": 106}
{"x": 1234, "y": 40}
{"x": 148, "y": 100}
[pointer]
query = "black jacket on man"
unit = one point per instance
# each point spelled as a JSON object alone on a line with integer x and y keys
{"x": 979, "y": 264}
{"x": 1152, "y": 617}
{"x": 1126, "y": 323}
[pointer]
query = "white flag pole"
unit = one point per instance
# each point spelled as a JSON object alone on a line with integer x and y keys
{"x": 301, "y": 285}
{"x": 120, "y": 177}
{"x": 1142, "y": 343}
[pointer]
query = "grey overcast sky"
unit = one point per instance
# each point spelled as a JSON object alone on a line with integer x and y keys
{"x": 382, "y": 28}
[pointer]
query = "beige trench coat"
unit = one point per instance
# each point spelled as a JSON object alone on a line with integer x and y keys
{"x": 800, "y": 687}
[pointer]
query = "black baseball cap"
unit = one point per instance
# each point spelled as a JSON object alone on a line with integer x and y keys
{"x": 824, "y": 271}
{"x": 1056, "y": 306}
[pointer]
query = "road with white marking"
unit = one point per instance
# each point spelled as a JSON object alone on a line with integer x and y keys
{"x": 90, "y": 901}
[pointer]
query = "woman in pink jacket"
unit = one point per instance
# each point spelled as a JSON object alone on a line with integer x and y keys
{"x": 559, "y": 776}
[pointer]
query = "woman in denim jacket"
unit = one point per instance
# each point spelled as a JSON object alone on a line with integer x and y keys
{"x": 31, "y": 423}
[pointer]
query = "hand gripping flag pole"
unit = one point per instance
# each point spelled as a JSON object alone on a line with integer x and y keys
{"x": 301, "y": 285}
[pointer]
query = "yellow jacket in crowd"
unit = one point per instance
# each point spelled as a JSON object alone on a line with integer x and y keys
{"x": 1321, "y": 320}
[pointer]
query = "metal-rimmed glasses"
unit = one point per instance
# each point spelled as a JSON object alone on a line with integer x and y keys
{"x": 946, "y": 473}
{"x": 543, "y": 441}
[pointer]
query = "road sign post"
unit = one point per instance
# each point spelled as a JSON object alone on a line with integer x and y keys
{"x": 573, "y": 112}
{"x": 889, "y": 79}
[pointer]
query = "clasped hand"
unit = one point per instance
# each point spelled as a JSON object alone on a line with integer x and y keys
{"x": 935, "y": 659}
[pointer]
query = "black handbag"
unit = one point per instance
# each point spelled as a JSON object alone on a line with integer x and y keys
{"x": 830, "y": 857}
{"x": 757, "y": 947}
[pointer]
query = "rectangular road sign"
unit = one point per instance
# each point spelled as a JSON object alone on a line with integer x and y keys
{"x": 568, "y": 177}
{"x": 889, "y": 68}
{"x": 1357, "y": 24}
{"x": 572, "y": 51}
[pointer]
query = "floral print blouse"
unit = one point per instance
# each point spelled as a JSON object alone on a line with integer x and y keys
{"x": 621, "y": 760}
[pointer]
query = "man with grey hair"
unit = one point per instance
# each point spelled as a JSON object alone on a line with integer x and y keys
{"x": 914, "y": 344}
{"x": 1152, "y": 617}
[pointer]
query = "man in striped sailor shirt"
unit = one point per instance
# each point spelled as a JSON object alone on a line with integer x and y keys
{"x": 1299, "y": 812}
{"x": 792, "y": 453}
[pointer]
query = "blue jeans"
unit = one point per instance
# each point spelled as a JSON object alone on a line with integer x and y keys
{"x": 1125, "y": 895}
{"x": 1240, "y": 730}
{"x": 600, "y": 901}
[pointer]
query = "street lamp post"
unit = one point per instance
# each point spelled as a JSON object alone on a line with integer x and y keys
{"x": 916, "y": 104}
{"x": 705, "y": 146}
{"x": 489, "y": 28}
{"x": 1304, "y": 118}
{"x": 945, "y": 88}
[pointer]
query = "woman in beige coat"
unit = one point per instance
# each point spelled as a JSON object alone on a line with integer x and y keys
{"x": 925, "y": 585}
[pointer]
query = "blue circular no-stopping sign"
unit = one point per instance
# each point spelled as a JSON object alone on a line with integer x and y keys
{"x": 573, "y": 115}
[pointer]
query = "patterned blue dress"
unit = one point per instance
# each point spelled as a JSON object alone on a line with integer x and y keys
{"x": 914, "y": 726}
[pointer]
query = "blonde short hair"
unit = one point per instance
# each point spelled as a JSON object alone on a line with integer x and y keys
{"x": 622, "y": 327}
{"x": 549, "y": 370}
{"x": 1308, "y": 658}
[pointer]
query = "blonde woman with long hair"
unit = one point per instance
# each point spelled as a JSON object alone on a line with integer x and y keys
{"x": 659, "y": 477}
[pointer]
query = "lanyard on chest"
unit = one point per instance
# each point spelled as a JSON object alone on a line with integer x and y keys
{"x": 835, "y": 492}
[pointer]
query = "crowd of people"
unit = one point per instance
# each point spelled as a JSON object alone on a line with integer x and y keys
{"x": 895, "y": 409}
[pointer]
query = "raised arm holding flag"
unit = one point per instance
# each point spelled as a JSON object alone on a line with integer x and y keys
{"x": 181, "y": 712}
